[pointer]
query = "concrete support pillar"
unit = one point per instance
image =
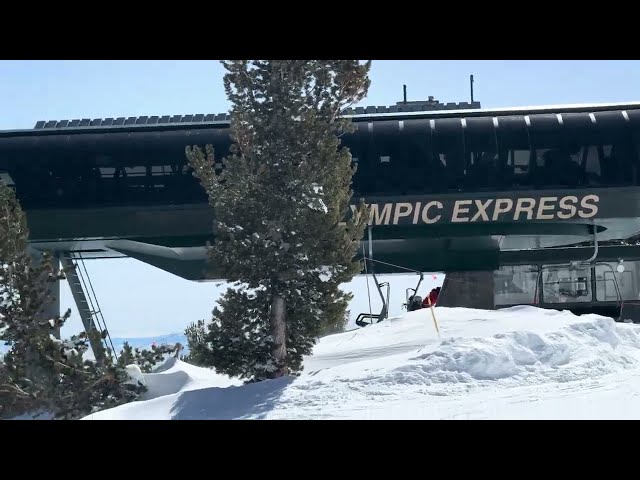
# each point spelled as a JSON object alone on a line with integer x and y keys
{"x": 468, "y": 289}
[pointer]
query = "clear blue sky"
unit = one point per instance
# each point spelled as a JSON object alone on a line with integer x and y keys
{"x": 139, "y": 300}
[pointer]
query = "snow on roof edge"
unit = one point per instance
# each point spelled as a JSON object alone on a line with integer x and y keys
{"x": 360, "y": 116}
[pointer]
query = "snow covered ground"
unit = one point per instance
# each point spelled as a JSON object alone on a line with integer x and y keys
{"x": 516, "y": 363}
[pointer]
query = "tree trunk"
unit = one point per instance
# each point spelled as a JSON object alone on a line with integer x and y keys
{"x": 279, "y": 333}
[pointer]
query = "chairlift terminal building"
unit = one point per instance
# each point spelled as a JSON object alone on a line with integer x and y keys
{"x": 453, "y": 188}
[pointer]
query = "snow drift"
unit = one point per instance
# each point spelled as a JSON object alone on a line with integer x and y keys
{"x": 521, "y": 362}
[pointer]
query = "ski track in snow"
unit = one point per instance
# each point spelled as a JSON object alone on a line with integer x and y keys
{"x": 520, "y": 362}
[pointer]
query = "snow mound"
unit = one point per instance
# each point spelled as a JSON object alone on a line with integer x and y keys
{"x": 576, "y": 352}
{"x": 165, "y": 385}
{"x": 175, "y": 376}
{"x": 486, "y": 364}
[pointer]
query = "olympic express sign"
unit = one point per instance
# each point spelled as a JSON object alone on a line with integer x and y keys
{"x": 482, "y": 210}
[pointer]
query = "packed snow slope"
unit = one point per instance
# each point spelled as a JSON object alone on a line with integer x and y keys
{"x": 521, "y": 362}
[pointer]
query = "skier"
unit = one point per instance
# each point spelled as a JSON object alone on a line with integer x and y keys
{"x": 431, "y": 298}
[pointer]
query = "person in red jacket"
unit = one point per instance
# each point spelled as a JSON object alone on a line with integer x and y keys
{"x": 432, "y": 297}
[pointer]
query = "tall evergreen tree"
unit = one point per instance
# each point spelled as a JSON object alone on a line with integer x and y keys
{"x": 280, "y": 203}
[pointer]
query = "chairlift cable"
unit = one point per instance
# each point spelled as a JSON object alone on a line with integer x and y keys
{"x": 393, "y": 265}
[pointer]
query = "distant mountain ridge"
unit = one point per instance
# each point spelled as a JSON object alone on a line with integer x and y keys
{"x": 146, "y": 342}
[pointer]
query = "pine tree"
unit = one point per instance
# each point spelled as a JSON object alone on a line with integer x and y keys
{"x": 126, "y": 357}
{"x": 280, "y": 205}
{"x": 336, "y": 315}
{"x": 147, "y": 359}
{"x": 41, "y": 372}
{"x": 197, "y": 343}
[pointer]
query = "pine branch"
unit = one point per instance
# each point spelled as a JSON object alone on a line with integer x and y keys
{"x": 64, "y": 366}
{"x": 14, "y": 389}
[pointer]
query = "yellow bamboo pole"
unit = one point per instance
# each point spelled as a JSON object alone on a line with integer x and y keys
{"x": 433, "y": 314}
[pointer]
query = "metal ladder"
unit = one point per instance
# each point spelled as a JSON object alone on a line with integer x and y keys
{"x": 85, "y": 298}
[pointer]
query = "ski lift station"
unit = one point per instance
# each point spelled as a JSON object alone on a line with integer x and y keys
{"x": 532, "y": 205}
